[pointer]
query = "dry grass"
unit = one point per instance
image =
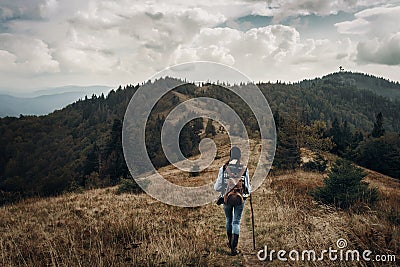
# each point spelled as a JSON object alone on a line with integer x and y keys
{"x": 100, "y": 228}
{"x": 288, "y": 218}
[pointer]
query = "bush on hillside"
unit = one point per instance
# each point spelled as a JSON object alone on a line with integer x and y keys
{"x": 128, "y": 185}
{"x": 195, "y": 171}
{"x": 344, "y": 188}
{"x": 317, "y": 164}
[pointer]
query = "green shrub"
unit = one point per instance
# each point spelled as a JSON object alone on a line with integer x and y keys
{"x": 344, "y": 188}
{"x": 394, "y": 216}
{"x": 8, "y": 197}
{"x": 128, "y": 185}
{"x": 195, "y": 171}
{"x": 318, "y": 164}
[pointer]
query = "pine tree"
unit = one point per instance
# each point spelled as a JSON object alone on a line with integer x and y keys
{"x": 342, "y": 137}
{"x": 210, "y": 129}
{"x": 92, "y": 160}
{"x": 198, "y": 125}
{"x": 287, "y": 155}
{"x": 185, "y": 141}
{"x": 336, "y": 133}
{"x": 344, "y": 187}
{"x": 347, "y": 135}
{"x": 381, "y": 154}
{"x": 314, "y": 136}
{"x": 378, "y": 129}
{"x": 114, "y": 166}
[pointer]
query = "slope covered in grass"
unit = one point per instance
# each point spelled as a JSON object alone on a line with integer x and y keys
{"x": 100, "y": 228}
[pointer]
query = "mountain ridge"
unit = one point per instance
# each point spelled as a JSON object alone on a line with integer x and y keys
{"x": 363, "y": 81}
{"x": 39, "y": 102}
{"x": 79, "y": 146}
{"x": 45, "y": 101}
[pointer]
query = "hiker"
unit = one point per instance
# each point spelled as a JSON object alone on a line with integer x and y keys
{"x": 234, "y": 185}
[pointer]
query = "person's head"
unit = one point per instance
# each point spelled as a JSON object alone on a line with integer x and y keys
{"x": 235, "y": 153}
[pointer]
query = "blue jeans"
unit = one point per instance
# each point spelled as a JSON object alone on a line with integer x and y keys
{"x": 233, "y": 215}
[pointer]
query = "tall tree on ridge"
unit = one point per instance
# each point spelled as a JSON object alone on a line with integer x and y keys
{"x": 378, "y": 129}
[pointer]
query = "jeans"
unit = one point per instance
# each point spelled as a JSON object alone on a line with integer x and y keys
{"x": 233, "y": 215}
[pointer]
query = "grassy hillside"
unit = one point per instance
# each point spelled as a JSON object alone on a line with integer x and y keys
{"x": 79, "y": 148}
{"x": 100, "y": 228}
{"x": 288, "y": 218}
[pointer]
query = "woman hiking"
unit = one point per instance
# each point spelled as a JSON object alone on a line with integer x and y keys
{"x": 234, "y": 185}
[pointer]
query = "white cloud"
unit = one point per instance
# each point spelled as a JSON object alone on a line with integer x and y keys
{"x": 7, "y": 59}
{"x": 25, "y": 55}
{"x": 379, "y": 31}
{"x": 229, "y": 45}
{"x": 6, "y": 13}
{"x": 379, "y": 21}
{"x": 385, "y": 51}
{"x": 282, "y": 9}
{"x": 14, "y": 9}
{"x": 129, "y": 40}
{"x": 271, "y": 52}
{"x": 357, "y": 26}
{"x": 48, "y": 8}
{"x": 138, "y": 37}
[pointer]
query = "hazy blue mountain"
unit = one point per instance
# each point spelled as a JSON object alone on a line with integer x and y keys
{"x": 45, "y": 101}
{"x": 96, "y": 89}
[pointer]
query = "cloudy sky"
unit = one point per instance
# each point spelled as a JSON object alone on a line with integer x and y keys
{"x": 45, "y": 43}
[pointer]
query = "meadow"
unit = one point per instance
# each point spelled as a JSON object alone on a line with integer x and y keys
{"x": 101, "y": 228}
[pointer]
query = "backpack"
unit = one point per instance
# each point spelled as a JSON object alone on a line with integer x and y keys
{"x": 234, "y": 188}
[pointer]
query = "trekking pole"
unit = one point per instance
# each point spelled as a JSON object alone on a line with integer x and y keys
{"x": 252, "y": 223}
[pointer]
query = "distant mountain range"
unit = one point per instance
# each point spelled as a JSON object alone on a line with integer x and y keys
{"x": 45, "y": 101}
{"x": 42, "y": 102}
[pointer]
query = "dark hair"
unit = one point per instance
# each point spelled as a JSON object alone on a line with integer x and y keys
{"x": 235, "y": 153}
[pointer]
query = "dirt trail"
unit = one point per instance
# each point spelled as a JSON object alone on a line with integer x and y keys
{"x": 246, "y": 238}
{"x": 246, "y": 235}
{"x": 246, "y": 241}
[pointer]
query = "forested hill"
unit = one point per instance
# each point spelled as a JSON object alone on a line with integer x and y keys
{"x": 73, "y": 148}
{"x": 378, "y": 85}
{"x": 80, "y": 146}
{"x": 330, "y": 98}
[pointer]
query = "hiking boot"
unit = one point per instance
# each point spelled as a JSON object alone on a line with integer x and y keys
{"x": 229, "y": 239}
{"x": 234, "y": 243}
